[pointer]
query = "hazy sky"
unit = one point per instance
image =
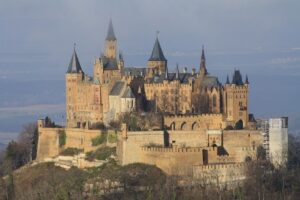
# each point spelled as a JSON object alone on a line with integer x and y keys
{"x": 259, "y": 37}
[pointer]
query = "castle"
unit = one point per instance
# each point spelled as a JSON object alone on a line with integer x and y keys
{"x": 114, "y": 90}
{"x": 206, "y": 125}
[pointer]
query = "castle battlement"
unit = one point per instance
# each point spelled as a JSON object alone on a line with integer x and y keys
{"x": 173, "y": 149}
{"x": 194, "y": 116}
{"x": 219, "y": 166}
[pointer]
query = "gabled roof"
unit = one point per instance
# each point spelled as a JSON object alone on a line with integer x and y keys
{"x": 74, "y": 66}
{"x": 134, "y": 71}
{"x": 128, "y": 93}
{"x": 157, "y": 53}
{"x": 211, "y": 81}
{"x": 110, "y": 33}
{"x": 117, "y": 88}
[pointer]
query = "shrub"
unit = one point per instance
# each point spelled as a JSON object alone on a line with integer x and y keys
{"x": 112, "y": 137}
{"x": 99, "y": 139}
{"x": 98, "y": 125}
{"x": 71, "y": 152}
{"x": 62, "y": 138}
{"x": 101, "y": 154}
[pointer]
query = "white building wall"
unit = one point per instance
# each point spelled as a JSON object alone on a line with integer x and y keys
{"x": 278, "y": 140}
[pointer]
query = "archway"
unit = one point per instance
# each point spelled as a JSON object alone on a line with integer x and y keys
{"x": 195, "y": 126}
{"x": 183, "y": 126}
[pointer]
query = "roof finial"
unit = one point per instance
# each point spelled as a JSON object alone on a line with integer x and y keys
{"x": 157, "y": 33}
{"x": 246, "y": 81}
{"x": 74, "y": 46}
{"x": 227, "y": 80}
{"x": 177, "y": 72}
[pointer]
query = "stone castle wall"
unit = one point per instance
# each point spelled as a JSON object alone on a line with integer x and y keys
{"x": 195, "y": 122}
{"x": 220, "y": 173}
{"x": 175, "y": 161}
{"x": 48, "y": 144}
{"x": 186, "y": 148}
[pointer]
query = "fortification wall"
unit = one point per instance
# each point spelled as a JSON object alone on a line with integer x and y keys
{"x": 220, "y": 173}
{"x": 48, "y": 144}
{"x": 195, "y": 122}
{"x": 173, "y": 161}
{"x": 242, "y": 143}
{"x": 129, "y": 145}
{"x": 188, "y": 138}
{"x": 81, "y": 138}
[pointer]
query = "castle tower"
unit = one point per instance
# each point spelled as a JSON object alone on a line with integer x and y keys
{"x": 203, "y": 63}
{"x": 110, "y": 42}
{"x": 73, "y": 76}
{"x": 157, "y": 61}
{"x": 236, "y": 99}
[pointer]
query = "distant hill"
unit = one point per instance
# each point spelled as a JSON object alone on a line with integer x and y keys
{"x": 2, "y": 146}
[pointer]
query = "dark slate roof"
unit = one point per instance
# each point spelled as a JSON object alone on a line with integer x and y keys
{"x": 74, "y": 66}
{"x": 237, "y": 78}
{"x": 157, "y": 53}
{"x": 117, "y": 88}
{"x": 134, "y": 71}
{"x": 110, "y": 33}
{"x": 211, "y": 81}
{"x": 128, "y": 93}
{"x": 183, "y": 77}
{"x": 110, "y": 63}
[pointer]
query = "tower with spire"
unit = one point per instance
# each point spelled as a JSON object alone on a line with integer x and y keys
{"x": 235, "y": 97}
{"x": 157, "y": 62}
{"x": 111, "y": 42}
{"x": 74, "y": 76}
{"x": 203, "y": 69}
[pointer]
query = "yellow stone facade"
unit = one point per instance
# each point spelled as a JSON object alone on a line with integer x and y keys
{"x": 98, "y": 98}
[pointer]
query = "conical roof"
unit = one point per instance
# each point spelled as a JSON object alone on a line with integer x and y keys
{"x": 110, "y": 33}
{"x": 237, "y": 78}
{"x": 157, "y": 53}
{"x": 74, "y": 66}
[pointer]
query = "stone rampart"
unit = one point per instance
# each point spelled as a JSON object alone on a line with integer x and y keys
{"x": 195, "y": 122}
{"x": 220, "y": 173}
{"x": 48, "y": 144}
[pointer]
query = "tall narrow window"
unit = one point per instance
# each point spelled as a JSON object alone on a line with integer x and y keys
{"x": 214, "y": 101}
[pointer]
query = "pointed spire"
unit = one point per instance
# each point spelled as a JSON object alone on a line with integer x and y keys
{"x": 74, "y": 66}
{"x": 166, "y": 73}
{"x": 157, "y": 53}
{"x": 177, "y": 72}
{"x": 110, "y": 33}
{"x": 227, "y": 80}
{"x": 203, "y": 54}
{"x": 246, "y": 81}
{"x": 203, "y": 62}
